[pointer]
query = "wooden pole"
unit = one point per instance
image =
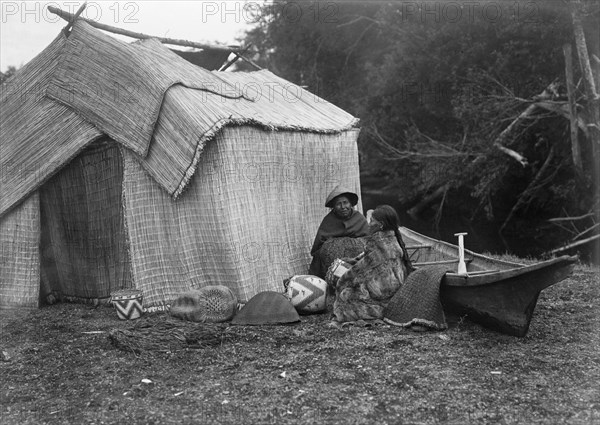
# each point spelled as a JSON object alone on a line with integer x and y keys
{"x": 69, "y": 16}
{"x": 588, "y": 82}
{"x": 235, "y": 59}
{"x": 72, "y": 21}
{"x": 245, "y": 59}
{"x": 575, "y": 149}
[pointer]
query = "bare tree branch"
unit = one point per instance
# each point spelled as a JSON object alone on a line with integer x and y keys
{"x": 513, "y": 154}
{"x": 441, "y": 150}
{"x": 549, "y": 93}
{"x": 581, "y": 217}
{"x": 531, "y": 189}
{"x": 589, "y": 229}
{"x": 573, "y": 245}
{"x": 350, "y": 49}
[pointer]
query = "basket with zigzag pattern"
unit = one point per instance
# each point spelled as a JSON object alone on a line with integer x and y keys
{"x": 128, "y": 303}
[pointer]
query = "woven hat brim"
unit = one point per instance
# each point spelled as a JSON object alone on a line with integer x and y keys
{"x": 267, "y": 308}
{"x": 352, "y": 197}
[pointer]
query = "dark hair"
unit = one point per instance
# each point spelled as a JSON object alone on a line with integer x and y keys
{"x": 389, "y": 219}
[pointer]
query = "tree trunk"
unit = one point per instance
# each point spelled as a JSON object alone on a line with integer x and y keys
{"x": 589, "y": 82}
{"x": 575, "y": 149}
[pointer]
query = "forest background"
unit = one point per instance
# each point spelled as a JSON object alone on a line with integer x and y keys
{"x": 464, "y": 110}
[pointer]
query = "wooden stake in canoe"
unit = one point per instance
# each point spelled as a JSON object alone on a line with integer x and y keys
{"x": 462, "y": 267}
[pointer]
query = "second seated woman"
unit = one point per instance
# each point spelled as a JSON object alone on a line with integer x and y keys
{"x": 364, "y": 290}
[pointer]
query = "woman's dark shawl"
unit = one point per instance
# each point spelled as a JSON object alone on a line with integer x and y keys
{"x": 332, "y": 226}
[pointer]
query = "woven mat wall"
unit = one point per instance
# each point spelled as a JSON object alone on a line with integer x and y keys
{"x": 37, "y": 135}
{"x": 247, "y": 219}
{"x": 19, "y": 255}
{"x": 84, "y": 251}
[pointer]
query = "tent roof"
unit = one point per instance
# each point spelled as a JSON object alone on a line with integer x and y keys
{"x": 145, "y": 97}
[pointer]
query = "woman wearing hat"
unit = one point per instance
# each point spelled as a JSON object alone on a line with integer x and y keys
{"x": 343, "y": 221}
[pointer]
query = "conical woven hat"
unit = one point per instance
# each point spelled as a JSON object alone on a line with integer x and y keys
{"x": 266, "y": 308}
{"x": 340, "y": 190}
{"x": 209, "y": 304}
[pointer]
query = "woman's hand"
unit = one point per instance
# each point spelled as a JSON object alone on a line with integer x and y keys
{"x": 353, "y": 261}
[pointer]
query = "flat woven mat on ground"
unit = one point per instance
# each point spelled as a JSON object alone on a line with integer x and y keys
{"x": 166, "y": 334}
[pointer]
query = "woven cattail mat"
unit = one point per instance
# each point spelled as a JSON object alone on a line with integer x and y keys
{"x": 163, "y": 333}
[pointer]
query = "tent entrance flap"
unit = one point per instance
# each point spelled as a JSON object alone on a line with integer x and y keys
{"x": 83, "y": 247}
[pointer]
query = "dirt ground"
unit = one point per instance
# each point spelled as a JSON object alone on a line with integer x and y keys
{"x": 59, "y": 366}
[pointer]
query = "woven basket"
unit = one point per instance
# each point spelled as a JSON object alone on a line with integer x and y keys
{"x": 335, "y": 271}
{"x": 128, "y": 303}
{"x": 209, "y": 304}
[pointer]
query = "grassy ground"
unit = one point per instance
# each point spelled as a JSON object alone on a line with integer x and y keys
{"x": 57, "y": 373}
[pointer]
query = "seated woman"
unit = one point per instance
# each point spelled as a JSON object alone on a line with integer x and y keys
{"x": 364, "y": 290}
{"x": 338, "y": 230}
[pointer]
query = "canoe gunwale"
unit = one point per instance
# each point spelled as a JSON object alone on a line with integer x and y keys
{"x": 436, "y": 243}
{"x": 505, "y": 269}
{"x": 455, "y": 279}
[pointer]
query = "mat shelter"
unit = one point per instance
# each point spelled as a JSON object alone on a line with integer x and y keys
{"x": 124, "y": 166}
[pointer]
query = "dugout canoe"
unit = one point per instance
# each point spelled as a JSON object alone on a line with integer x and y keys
{"x": 500, "y": 295}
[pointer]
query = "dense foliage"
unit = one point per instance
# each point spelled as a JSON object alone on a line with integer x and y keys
{"x": 4, "y": 76}
{"x": 434, "y": 85}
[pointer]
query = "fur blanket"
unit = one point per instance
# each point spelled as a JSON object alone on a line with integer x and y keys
{"x": 363, "y": 292}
